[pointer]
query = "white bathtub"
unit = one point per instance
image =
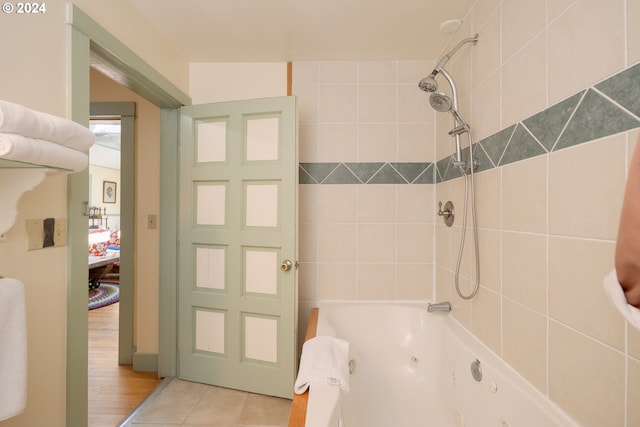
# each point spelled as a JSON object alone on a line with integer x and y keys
{"x": 413, "y": 368}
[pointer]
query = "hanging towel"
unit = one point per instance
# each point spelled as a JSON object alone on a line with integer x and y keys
{"x": 623, "y": 283}
{"x": 24, "y": 121}
{"x": 616, "y": 296}
{"x": 40, "y": 152}
{"x": 323, "y": 359}
{"x": 13, "y": 348}
{"x": 628, "y": 243}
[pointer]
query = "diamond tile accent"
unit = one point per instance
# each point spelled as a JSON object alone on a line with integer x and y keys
{"x": 480, "y": 157}
{"x": 453, "y": 172}
{"x": 319, "y": 171}
{"x": 595, "y": 117}
{"x": 304, "y": 177}
{"x": 410, "y": 171}
{"x": 364, "y": 171}
{"x": 495, "y": 144}
{"x": 341, "y": 175}
{"x": 623, "y": 88}
{"x": 428, "y": 176}
{"x": 583, "y": 117}
{"x": 441, "y": 169}
{"x": 387, "y": 175}
{"x": 521, "y": 146}
{"x": 547, "y": 125}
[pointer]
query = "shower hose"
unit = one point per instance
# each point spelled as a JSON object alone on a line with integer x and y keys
{"x": 468, "y": 177}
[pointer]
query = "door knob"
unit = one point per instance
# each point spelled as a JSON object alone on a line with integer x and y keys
{"x": 286, "y": 265}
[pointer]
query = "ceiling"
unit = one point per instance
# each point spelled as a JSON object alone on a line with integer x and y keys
{"x": 106, "y": 151}
{"x": 296, "y": 30}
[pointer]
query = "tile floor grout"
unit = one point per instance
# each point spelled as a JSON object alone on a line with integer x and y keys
{"x": 180, "y": 403}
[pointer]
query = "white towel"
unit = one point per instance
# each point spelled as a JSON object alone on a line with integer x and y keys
{"x": 13, "y": 348}
{"x": 323, "y": 359}
{"x": 15, "y": 118}
{"x": 616, "y": 295}
{"x": 40, "y": 152}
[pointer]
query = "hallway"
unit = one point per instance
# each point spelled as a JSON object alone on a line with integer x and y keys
{"x": 114, "y": 391}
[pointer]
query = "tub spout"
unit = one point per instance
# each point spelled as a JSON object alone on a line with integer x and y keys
{"x": 439, "y": 306}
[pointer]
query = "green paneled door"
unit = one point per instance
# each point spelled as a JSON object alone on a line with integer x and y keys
{"x": 237, "y": 231}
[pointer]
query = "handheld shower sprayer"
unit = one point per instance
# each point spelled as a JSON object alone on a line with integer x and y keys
{"x": 442, "y": 102}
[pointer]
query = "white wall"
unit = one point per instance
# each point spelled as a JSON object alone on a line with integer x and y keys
{"x": 234, "y": 81}
{"x": 35, "y": 75}
{"x": 97, "y": 176}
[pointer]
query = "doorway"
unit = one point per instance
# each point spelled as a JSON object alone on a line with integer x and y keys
{"x": 91, "y": 46}
{"x": 113, "y": 167}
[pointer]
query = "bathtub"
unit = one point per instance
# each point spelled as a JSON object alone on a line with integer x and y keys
{"x": 413, "y": 368}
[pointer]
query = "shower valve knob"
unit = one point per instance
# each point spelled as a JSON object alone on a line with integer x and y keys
{"x": 447, "y": 213}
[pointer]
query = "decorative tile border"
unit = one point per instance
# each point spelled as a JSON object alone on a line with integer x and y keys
{"x": 609, "y": 107}
{"x": 366, "y": 173}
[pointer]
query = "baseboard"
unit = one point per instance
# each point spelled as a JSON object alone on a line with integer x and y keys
{"x": 145, "y": 362}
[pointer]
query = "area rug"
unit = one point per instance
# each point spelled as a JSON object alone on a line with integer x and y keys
{"x": 106, "y": 294}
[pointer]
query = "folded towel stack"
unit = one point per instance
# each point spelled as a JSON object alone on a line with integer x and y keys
{"x": 43, "y": 139}
{"x": 324, "y": 359}
{"x": 13, "y": 348}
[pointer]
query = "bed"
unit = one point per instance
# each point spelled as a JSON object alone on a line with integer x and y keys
{"x": 104, "y": 254}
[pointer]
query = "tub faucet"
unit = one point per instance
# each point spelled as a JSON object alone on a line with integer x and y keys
{"x": 439, "y": 306}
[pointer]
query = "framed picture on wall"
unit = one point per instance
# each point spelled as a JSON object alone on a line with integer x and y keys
{"x": 109, "y": 191}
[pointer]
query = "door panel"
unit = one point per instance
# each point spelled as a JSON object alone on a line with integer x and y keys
{"x": 237, "y": 306}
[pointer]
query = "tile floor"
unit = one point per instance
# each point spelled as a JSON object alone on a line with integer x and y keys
{"x": 185, "y": 404}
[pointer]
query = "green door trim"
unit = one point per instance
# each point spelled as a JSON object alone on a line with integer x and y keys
{"x": 125, "y": 112}
{"x": 230, "y": 364}
{"x": 85, "y": 39}
{"x": 168, "y": 311}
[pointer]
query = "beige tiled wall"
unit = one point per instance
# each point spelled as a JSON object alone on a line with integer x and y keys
{"x": 548, "y": 224}
{"x": 365, "y": 242}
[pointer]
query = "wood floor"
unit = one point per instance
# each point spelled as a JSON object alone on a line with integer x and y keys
{"x": 114, "y": 391}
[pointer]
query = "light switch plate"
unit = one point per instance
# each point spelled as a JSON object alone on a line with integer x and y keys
{"x": 35, "y": 233}
{"x": 152, "y": 221}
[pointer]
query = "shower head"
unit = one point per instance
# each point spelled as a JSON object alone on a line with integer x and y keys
{"x": 428, "y": 84}
{"x": 441, "y": 102}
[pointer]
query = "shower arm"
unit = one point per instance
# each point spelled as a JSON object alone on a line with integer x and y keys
{"x": 456, "y": 117}
{"x": 440, "y": 66}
